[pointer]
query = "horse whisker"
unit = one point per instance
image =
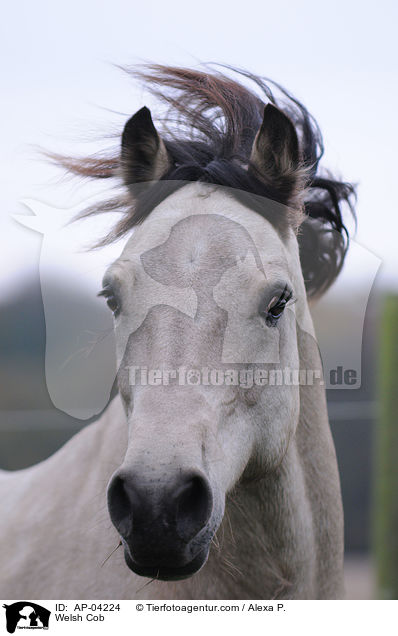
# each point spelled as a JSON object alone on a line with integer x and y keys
{"x": 113, "y": 552}
{"x": 146, "y": 584}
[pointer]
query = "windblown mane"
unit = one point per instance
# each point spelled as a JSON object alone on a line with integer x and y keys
{"x": 208, "y": 130}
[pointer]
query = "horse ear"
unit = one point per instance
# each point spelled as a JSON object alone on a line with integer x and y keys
{"x": 143, "y": 155}
{"x": 275, "y": 157}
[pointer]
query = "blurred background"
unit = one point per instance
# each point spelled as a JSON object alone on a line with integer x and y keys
{"x": 62, "y": 91}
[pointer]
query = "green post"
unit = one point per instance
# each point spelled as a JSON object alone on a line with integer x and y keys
{"x": 386, "y": 468}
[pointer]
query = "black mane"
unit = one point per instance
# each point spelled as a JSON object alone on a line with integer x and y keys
{"x": 209, "y": 130}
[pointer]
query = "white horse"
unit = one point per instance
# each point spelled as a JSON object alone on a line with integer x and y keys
{"x": 211, "y": 488}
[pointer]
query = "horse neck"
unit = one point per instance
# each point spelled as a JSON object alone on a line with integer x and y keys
{"x": 265, "y": 547}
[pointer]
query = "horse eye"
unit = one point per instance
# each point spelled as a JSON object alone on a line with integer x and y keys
{"x": 111, "y": 300}
{"x": 277, "y": 310}
{"x": 276, "y": 307}
{"x": 112, "y": 304}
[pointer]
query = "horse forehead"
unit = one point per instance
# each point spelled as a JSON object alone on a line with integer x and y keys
{"x": 201, "y": 221}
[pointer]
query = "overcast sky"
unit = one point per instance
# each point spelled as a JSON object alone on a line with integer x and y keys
{"x": 59, "y": 88}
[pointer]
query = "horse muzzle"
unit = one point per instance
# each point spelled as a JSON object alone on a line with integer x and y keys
{"x": 166, "y": 530}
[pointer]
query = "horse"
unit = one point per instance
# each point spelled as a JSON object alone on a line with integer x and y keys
{"x": 210, "y": 475}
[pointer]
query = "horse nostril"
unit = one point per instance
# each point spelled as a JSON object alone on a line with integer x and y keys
{"x": 193, "y": 506}
{"x": 121, "y": 501}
